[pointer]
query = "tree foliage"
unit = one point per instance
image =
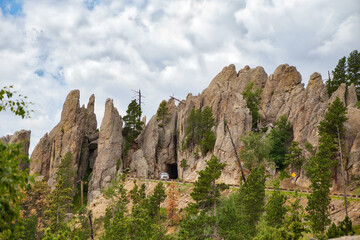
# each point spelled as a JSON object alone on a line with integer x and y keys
{"x": 133, "y": 125}
{"x": 198, "y": 131}
{"x": 172, "y": 207}
{"x": 345, "y": 228}
{"x": 13, "y": 182}
{"x": 256, "y": 150}
{"x": 346, "y": 71}
{"x": 60, "y": 200}
{"x": 240, "y": 213}
{"x": 295, "y": 159}
{"x": 252, "y": 99}
{"x": 252, "y": 201}
{"x": 319, "y": 171}
{"x": 334, "y": 120}
{"x": 140, "y": 223}
{"x": 275, "y": 208}
{"x": 280, "y": 137}
{"x": 162, "y": 114}
{"x": 17, "y": 103}
{"x": 206, "y": 194}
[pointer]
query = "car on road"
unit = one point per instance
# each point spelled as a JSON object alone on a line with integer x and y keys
{"x": 164, "y": 176}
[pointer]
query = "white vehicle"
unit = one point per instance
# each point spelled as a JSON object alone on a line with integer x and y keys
{"x": 164, "y": 176}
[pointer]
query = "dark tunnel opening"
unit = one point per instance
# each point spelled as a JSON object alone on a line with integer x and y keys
{"x": 172, "y": 170}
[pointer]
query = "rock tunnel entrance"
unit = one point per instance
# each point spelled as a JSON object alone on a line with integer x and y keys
{"x": 172, "y": 170}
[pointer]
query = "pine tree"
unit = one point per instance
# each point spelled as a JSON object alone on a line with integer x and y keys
{"x": 339, "y": 76}
{"x": 162, "y": 114}
{"x": 59, "y": 203}
{"x": 251, "y": 202}
{"x": 172, "y": 210}
{"x": 66, "y": 172}
{"x": 295, "y": 157}
{"x": 206, "y": 194}
{"x": 335, "y": 117}
{"x": 156, "y": 199}
{"x": 198, "y": 131}
{"x": 256, "y": 150}
{"x": 252, "y": 99}
{"x": 333, "y": 125}
{"x": 319, "y": 171}
{"x": 353, "y": 71}
{"x": 275, "y": 207}
{"x": 60, "y": 199}
{"x": 279, "y": 141}
{"x": 133, "y": 125}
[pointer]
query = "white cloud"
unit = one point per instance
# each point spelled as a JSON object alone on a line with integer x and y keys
{"x": 109, "y": 47}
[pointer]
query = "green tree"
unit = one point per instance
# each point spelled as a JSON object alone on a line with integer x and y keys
{"x": 162, "y": 114}
{"x": 353, "y": 71}
{"x": 335, "y": 117}
{"x": 333, "y": 125}
{"x": 198, "y": 131}
{"x": 339, "y": 76}
{"x": 66, "y": 172}
{"x": 156, "y": 199}
{"x": 60, "y": 201}
{"x": 343, "y": 229}
{"x": 295, "y": 159}
{"x": 252, "y": 99}
{"x": 319, "y": 171}
{"x": 279, "y": 141}
{"x": 133, "y": 125}
{"x": 82, "y": 231}
{"x": 13, "y": 180}
{"x": 59, "y": 204}
{"x": 251, "y": 201}
{"x": 275, "y": 208}
{"x": 206, "y": 194}
{"x": 256, "y": 150}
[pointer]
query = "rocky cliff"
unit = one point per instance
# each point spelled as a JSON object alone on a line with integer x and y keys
{"x": 158, "y": 148}
{"x": 22, "y": 137}
{"x": 72, "y": 134}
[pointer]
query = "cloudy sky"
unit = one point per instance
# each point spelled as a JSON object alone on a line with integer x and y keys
{"x": 111, "y": 47}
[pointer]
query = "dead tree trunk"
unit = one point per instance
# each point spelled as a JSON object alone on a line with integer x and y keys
{"x": 236, "y": 153}
{"x": 342, "y": 171}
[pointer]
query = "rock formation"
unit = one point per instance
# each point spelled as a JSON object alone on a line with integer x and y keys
{"x": 69, "y": 135}
{"x": 159, "y": 147}
{"x": 22, "y": 137}
{"x": 110, "y": 145}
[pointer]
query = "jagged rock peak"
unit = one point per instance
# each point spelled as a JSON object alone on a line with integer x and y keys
{"x": 67, "y": 136}
{"x": 110, "y": 145}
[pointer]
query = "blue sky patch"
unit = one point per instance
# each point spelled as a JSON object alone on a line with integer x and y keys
{"x": 90, "y": 4}
{"x": 39, "y": 72}
{"x": 11, "y": 7}
{"x": 59, "y": 75}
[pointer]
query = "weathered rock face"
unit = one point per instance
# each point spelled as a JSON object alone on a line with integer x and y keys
{"x": 110, "y": 145}
{"x": 67, "y": 136}
{"x": 22, "y": 137}
{"x": 159, "y": 147}
{"x": 283, "y": 94}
